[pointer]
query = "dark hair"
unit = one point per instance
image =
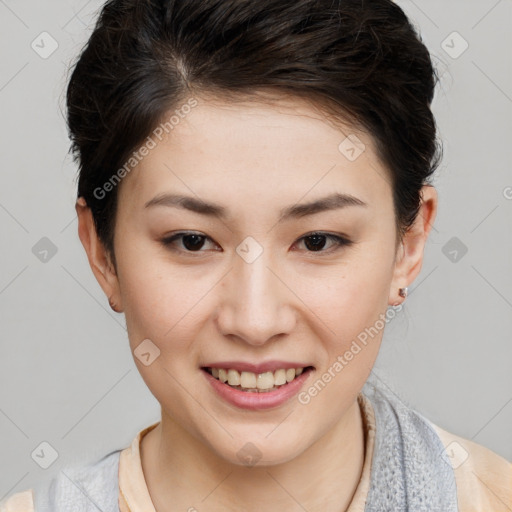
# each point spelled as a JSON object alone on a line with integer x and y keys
{"x": 359, "y": 61}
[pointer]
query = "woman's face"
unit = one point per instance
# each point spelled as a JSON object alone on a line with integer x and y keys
{"x": 250, "y": 292}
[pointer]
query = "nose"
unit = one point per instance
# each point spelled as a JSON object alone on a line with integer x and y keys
{"x": 256, "y": 304}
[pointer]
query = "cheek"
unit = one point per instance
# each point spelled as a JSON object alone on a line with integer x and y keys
{"x": 162, "y": 305}
{"x": 161, "y": 301}
{"x": 353, "y": 308}
{"x": 349, "y": 297}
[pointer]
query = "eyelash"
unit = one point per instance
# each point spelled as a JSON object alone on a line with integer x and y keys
{"x": 339, "y": 241}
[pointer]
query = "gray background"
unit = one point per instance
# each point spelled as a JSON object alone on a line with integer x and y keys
{"x": 66, "y": 373}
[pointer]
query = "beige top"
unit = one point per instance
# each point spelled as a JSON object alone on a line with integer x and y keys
{"x": 483, "y": 478}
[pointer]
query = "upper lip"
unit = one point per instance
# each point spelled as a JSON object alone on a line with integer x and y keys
{"x": 267, "y": 366}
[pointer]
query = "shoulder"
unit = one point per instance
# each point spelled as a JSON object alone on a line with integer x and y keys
{"x": 19, "y": 502}
{"x": 468, "y": 476}
{"x": 483, "y": 478}
{"x": 79, "y": 487}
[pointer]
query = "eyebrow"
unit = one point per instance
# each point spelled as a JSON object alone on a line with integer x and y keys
{"x": 331, "y": 202}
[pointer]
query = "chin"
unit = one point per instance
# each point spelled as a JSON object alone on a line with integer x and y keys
{"x": 262, "y": 450}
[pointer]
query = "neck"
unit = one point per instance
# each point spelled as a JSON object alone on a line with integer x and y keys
{"x": 182, "y": 473}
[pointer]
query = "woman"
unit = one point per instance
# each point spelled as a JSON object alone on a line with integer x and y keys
{"x": 255, "y": 197}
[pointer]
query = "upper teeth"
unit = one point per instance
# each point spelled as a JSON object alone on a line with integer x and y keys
{"x": 250, "y": 380}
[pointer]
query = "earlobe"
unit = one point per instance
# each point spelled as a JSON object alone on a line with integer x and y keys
{"x": 411, "y": 251}
{"x": 98, "y": 257}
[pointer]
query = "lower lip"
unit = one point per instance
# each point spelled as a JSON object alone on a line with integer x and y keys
{"x": 254, "y": 401}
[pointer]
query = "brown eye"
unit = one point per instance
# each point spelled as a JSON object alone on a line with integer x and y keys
{"x": 190, "y": 242}
{"x": 316, "y": 242}
{"x": 193, "y": 242}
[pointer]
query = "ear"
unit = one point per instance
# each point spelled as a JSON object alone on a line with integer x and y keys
{"x": 410, "y": 252}
{"x": 98, "y": 257}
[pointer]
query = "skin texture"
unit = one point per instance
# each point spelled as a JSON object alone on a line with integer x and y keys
{"x": 292, "y": 303}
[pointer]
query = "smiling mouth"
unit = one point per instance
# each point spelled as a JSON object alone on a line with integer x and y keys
{"x": 256, "y": 382}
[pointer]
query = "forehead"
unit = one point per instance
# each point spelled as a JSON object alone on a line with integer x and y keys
{"x": 286, "y": 146}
